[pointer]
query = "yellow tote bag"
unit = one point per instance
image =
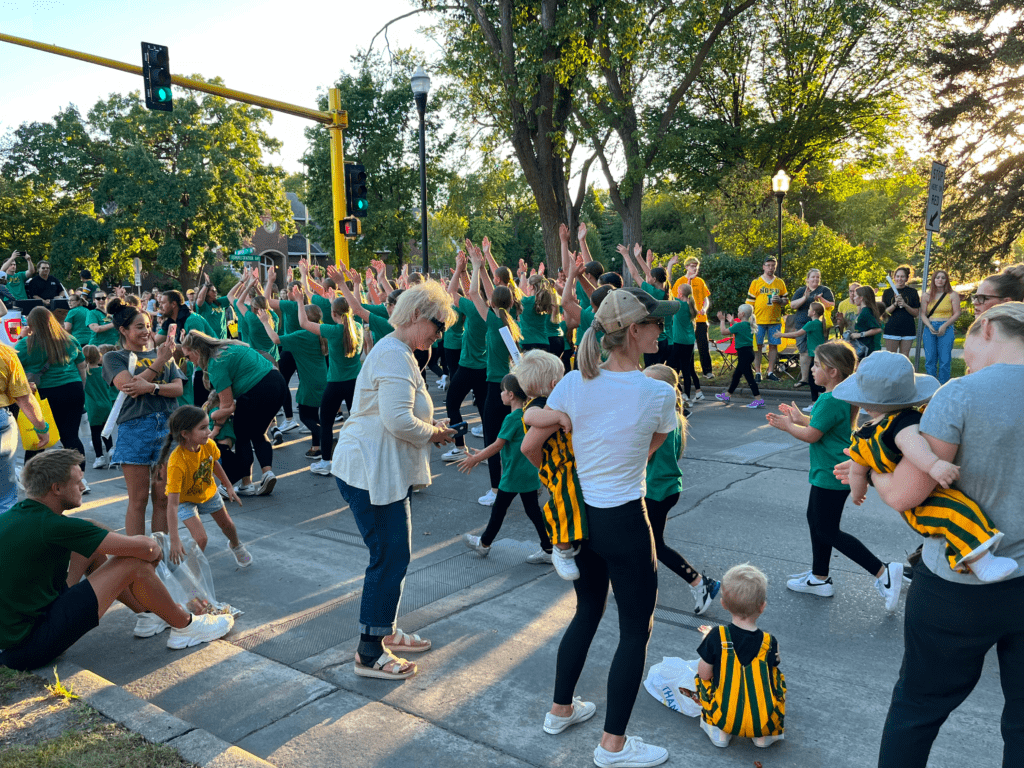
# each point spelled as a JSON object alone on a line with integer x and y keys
{"x": 29, "y": 439}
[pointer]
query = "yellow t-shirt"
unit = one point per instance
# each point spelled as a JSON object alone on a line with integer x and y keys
{"x": 849, "y": 310}
{"x": 700, "y": 292}
{"x": 190, "y": 473}
{"x": 13, "y": 381}
{"x": 760, "y": 295}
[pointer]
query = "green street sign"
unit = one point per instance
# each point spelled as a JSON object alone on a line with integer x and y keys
{"x": 244, "y": 254}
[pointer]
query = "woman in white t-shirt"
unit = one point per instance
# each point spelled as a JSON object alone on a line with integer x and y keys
{"x": 619, "y": 417}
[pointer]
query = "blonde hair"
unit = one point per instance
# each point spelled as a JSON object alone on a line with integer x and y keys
{"x": 746, "y": 313}
{"x": 588, "y": 354}
{"x": 207, "y": 347}
{"x": 92, "y": 354}
{"x": 502, "y": 301}
{"x": 536, "y": 370}
{"x": 1008, "y": 317}
{"x": 341, "y": 308}
{"x": 744, "y": 591}
{"x": 425, "y": 300}
{"x": 667, "y": 374}
{"x": 545, "y": 300}
{"x": 47, "y": 469}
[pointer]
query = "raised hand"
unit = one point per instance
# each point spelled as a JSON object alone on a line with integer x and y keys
{"x": 563, "y": 233}
{"x": 650, "y": 258}
{"x": 485, "y": 245}
{"x": 636, "y": 251}
{"x": 623, "y": 250}
{"x": 303, "y": 267}
{"x": 581, "y": 233}
{"x": 540, "y": 269}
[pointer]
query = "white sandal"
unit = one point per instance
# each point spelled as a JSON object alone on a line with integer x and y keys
{"x": 377, "y": 669}
{"x": 406, "y": 643}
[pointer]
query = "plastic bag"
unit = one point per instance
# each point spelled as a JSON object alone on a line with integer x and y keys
{"x": 190, "y": 582}
{"x": 665, "y": 680}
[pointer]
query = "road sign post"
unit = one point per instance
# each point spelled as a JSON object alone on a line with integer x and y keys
{"x": 932, "y": 222}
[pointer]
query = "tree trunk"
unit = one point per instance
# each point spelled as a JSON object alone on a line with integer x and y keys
{"x": 632, "y": 229}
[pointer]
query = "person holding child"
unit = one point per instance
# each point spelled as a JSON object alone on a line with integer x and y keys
{"x": 619, "y": 417}
{"x": 742, "y": 329}
{"x": 742, "y": 691}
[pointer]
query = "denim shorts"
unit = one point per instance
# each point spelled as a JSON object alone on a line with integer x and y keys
{"x": 187, "y": 509}
{"x": 772, "y": 332}
{"x": 139, "y": 440}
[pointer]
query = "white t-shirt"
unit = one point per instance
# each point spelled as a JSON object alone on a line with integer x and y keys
{"x": 613, "y": 419}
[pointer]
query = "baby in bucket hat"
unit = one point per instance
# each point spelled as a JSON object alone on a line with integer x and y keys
{"x": 886, "y": 388}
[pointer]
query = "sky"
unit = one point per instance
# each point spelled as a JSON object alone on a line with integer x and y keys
{"x": 266, "y": 48}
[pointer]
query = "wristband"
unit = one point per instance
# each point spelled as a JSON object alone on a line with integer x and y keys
{"x": 43, "y": 431}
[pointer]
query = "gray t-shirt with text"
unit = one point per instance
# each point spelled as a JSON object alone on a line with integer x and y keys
{"x": 137, "y": 407}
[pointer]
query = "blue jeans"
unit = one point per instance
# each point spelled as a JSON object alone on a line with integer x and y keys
{"x": 938, "y": 350}
{"x": 8, "y": 448}
{"x": 387, "y": 532}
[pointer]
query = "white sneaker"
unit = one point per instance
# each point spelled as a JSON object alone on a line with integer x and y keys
{"x": 699, "y": 395}
{"x": 455, "y": 454}
{"x": 766, "y": 741}
{"x": 85, "y": 488}
{"x": 304, "y": 430}
{"x": 148, "y": 624}
{"x": 473, "y": 542}
{"x": 267, "y": 483}
{"x": 889, "y": 585}
{"x": 811, "y": 586}
{"x": 222, "y": 491}
{"x": 246, "y": 490}
{"x": 718, "y": 737}
{"x": 808, "y": 408}
{"x": 288, "y": 425}
{"x": 477, "y": 431}
{"x": 322, "y": 467}
{"x": 100, "y": 463}
{"x": 564, "y": 561}
{"x": 442, "y": 383}
{"x": 487, "y": 499}
{"x": 634, "y": 754}
{"x": 539, "y": 557}
{"x": 242, "y": 556}
{"x": 581, "y": 711}
{"x": 203, "y": 629}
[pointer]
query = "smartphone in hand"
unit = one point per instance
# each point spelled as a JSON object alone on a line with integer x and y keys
{"x": 460, "y": 429}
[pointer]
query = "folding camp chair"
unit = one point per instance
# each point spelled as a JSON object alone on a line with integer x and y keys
{"x": 727, "y": 349}
{"x": 788, "y": 360}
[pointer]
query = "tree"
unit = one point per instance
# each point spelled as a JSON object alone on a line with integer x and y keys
{"x": 167, "y": 187}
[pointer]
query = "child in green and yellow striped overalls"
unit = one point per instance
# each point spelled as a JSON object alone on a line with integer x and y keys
{"x": 892, "y": 435}
{"x": 564, "y": 513}
{"x": 741, "y": 690}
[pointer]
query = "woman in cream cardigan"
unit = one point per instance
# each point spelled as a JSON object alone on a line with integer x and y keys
{"x": 382, "y": 452}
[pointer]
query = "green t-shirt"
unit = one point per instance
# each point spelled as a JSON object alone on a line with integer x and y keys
{"x": 553, "y": 329}
{"x": 664, "y": 477}
{"x": 243, "y": 324}
{"x": 35, "y": 549}
{"x": 188, "y": 391}
{"x": 78, "y": 319}
{"x": 744, "y": 334}
{"x": 518, "y": 475}
{"x": 325, "y": 306}
{"x": 660, "y": 295}
{"x": 213, "y": 313}
{"x": 474, "y": 337}
{"x": 498, "y": 359}
{"x": 257, "y": 336}
{"x": 535, "y": 330}
{"x": 586, "y": 320}
{"x": 238, "y": 366}
{"x": 99, "y": 317}
{"x": 57, "y": 374}
{"x": 309, "y": 361}
{"x": 342, "y": 367}
{"x": 682, "y": 325}
{"x": 99, "y": 396}
{"x": 452, "y": 338}
{"x": 289, "y": 311}
{"x": 379, "y": 326}
{"x": 831, "y": 417}
{"x": 815, "y": 331}
{"x": 16, "y": 285}
{"x": 865, "y": 322}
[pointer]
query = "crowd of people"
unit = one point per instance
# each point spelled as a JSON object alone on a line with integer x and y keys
{"x": 582, "y": 387}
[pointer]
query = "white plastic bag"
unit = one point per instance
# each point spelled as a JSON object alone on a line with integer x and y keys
{"x": 190, "y": 582}
{"x": 665, "y": 679}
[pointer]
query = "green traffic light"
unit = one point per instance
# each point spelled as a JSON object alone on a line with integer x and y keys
{"x": 163, "y": 94}
{"x": 361, "y": 204}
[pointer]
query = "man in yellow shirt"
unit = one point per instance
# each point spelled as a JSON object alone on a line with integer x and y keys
{"x": 768, "y": 296}
{"x": 847, "y": 314}
{"x": 702, "y": 298}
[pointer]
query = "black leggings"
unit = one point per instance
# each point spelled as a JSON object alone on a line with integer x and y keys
{"x": 567, "y": 350}
{"x": 465, "y": 379}
{"x": 98, "y": 441}
{"x": 253, "y": 413}
{"x": 500, "y": 507}
{"x": 824, "y": 512}
{"x": 309, "y": 415}
{"x": 200, "y": 394}
{"x": 701, "y": 330}
{"x": 286, "y": 365}
{"x": 744, "y": 361}
{"x": 657, "y": 513}
{"x": 335, "y": 393}
{"x": 681, "y": 358}
{"x": 494, "y": 415}
{"x": 620, "y": 551}
{"x": 67, "y": 403}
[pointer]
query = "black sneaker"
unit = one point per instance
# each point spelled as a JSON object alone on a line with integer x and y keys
{"x": 313, "y": 453}
{"x": 772, "y": 377}
{"x": 276, "y": 436}
{"x": 757, "y": 376}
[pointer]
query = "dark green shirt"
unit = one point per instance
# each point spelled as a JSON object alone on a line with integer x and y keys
{"x": 238, "y": 366}
{"x": 99, "y": 396}
{"x": 258, "y": 338}
{"x": 664, "y": 477}
{"x": 16, "y": 285}
{"x": 453, "y": 336}
{"x": 343, "y": 367}
{"x": 535, "y": 330}
{"x": 498, "y": 358}
{"x": 213, "y": 313}
{"x": 865, "y": 322}
{"x": 309, "y": 361}
{"x": 518, "y": 475}
{"x": 325, "y": 307}
{"x": 682, "y": 325}
{"x": 743, "y": 333}
{"x": 78, "y": 319}
{"x": 474, "y": 337}
{"x": 58, "y": 373}
{"x": 289, "y": 315}
{"x": 98, "y": 317}
{"x": 815, "y": 331}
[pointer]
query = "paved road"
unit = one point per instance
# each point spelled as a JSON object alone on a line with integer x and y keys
{"x": 281, "y": 685}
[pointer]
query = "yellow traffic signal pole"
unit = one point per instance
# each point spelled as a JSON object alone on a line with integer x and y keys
{"x": 336, "y": 120}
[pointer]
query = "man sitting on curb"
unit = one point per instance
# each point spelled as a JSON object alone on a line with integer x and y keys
{"x": 45, "y": 604}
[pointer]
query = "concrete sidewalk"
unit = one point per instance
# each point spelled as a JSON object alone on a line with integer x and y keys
{"x": 280, "y": 687}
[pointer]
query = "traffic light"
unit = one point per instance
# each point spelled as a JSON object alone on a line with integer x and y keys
{"x": 355, "y": 190}
{"x": 156, "y": 77}
{"x": 350, "y": 227}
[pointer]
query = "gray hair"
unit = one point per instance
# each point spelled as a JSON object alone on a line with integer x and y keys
{"x": 428, "y": 299}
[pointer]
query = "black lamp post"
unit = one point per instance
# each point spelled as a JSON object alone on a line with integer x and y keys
{"x": 420, "y": 88}
{"x": 780, "y": 186}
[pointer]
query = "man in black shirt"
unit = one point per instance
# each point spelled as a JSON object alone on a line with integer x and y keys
{"x": 43, "y": 285}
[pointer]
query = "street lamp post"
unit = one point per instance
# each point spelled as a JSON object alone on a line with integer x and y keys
{"x": 420, "y": 88}
{"x": 780, "y": 186}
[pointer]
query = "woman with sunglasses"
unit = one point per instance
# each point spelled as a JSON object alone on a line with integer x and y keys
{"x": 999, "y": 288}
{"x": 383, "y": 450}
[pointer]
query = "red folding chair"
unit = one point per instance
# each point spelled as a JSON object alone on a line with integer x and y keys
{"x": 726, "y": 347}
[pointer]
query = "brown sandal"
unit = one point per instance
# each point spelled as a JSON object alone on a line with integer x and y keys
{"x": 386, "y": 667}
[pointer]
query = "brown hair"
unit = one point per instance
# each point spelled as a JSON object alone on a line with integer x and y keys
{"x": 341, "y": 308}
{"x": 92, "y": 354}
{"x": 667, "y": 374}
{"x": 49, "y": 468}
{"x": 867, "y": 293}
{"x": 1009, "y": 283}
{"x": 545, "y": 300}
{"x": 501, "y": 303}
{"x": 1009, "y": 316}
{"x": 50, "y": 335}
{"x": 184, "y": 419}
{"x": 315, "y": 315}
{"x": 841, "y": 356}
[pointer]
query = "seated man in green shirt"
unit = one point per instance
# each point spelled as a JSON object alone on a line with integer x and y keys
{"x": 45, "y": 604}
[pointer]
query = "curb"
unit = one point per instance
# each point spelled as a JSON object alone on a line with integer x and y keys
{"x": 149, "y": 721}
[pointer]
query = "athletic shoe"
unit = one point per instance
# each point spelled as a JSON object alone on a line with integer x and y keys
{"x": 267, "y": 484}
{"x": 807, "y": 583}
{"x": 539, "y": 557}
{"x": 442, "y": 383}
{"x": 708, "y": 375}
{"x": 564, "y": 561}
{"x": 203, "y": 629}
{"x": 772, "y": 377}
{"x": 488, "y": 499}
{"x": 800, "y": 384}
{"x": 704, "y": 594}
{"x": 473, "y": 542}
{"x": 581, "y": 711}
{"x": 698, "y": 396}
{"x": 718, "y": 737}
{"x": 723, "y": 396}
{"x": 276, "y": 436}
{"x": 766, "y": 741}
{"x": 477, "y": 431}
{"x": 242, "y": 556}
{"x": 759, "y": 403}
{"x": 889, "y": 585}
{"x": 338, "y": 419}
{"x": 148, "y": 624}
{"x": 289, "y": 425}
{"x": 85, "y": 488}
{"x": 100, "y": 463}
{"x": 247, "y": 490}
{"x": 304, "y": 430}
{"x": 312, "y": 453}
{"x": 808, "y": 408}
{"x": 757, "y": 376}
{"x": 634, "y": 754}
{"x": 114, "y": 465}
{"x": 322, "y": 467}
{"x": 222, "y": 491}
{"x": 455, "y": 454}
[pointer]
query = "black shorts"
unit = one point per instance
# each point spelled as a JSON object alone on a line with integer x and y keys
{"x": 66, "y": 619}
